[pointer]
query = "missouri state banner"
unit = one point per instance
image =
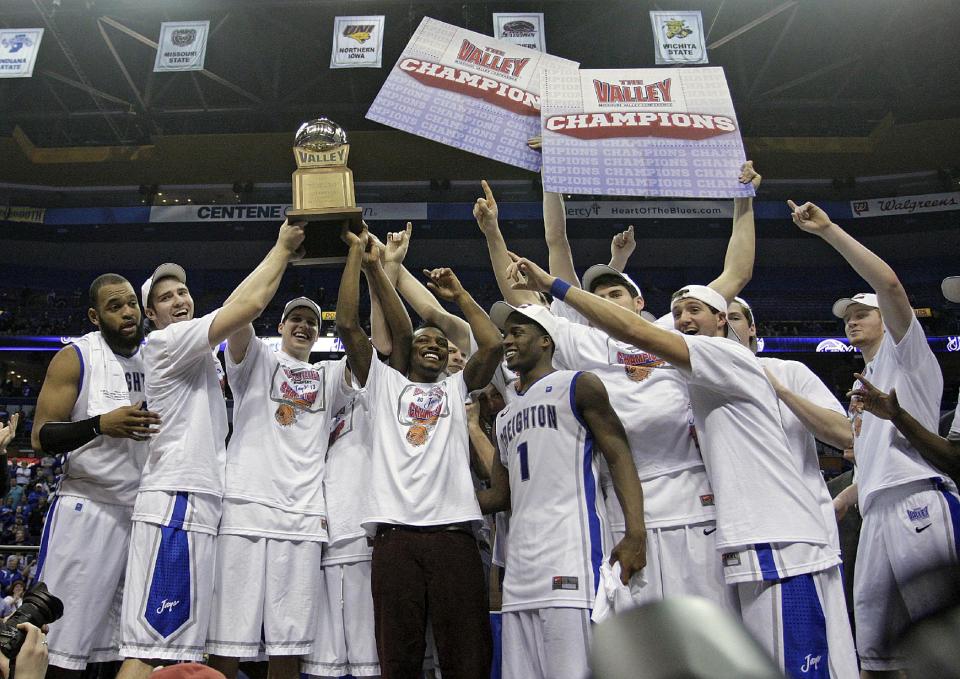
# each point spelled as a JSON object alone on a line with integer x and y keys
{"x": 641, "y": 132}
{"x": 467, "y": 90}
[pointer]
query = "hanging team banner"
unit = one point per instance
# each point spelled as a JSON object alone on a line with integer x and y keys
{"x": 182, "y": 46}
{"x": 679, "y": 38}
{"x": 641, "y": 132}
{"x": 357, "y": 42}
{"x": 525, "y": 30}
{"x": 18, "y": 51}
{"x": 467, "y": 90}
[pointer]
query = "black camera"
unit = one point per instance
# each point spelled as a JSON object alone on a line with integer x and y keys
{"x": 39, "y": 608}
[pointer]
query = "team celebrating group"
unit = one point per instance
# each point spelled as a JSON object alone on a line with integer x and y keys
{"x": 337, "y": 531}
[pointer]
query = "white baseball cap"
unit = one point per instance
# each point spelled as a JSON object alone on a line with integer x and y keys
{"x": 708, "y": 296}
{"x": 951, "y": 288}
{"x": 841, "y": 306}
{"x": 167, "y": 270}
{"x": 299, "y": 302}
{"x": 597, "y": 270}
{"x": 540, "y": 315}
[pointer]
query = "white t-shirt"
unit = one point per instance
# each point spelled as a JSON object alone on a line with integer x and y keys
{"x": 557, "y": 534}
{"x": 955, "y": 425}
{"x": 653, "y": 403}
{"x": 420, "y": 464}
{"x": 348, "y": 468}
{"x": 884, "y": 456}
{"x": 802, "y": 381}
{"x": 281, "y": 412}
{"x": 183, "y": 387}
{"x": 761, "y": 497}
{"x": 106, "y": 469}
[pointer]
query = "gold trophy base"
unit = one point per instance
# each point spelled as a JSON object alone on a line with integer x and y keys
{"x": 322, "y": 240}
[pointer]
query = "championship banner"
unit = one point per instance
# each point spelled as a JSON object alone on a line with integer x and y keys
{"x": 357, "y": 42}
{"x": 469, "y": 91}
{"x": 906, "y": 205}
{"x": 18, "y": 51}
{"x": 274, "y": 212}
{"x": 678, "y": 37}
{"x": 525, "y": 30}
{"x": 182, "y": 46}
{"x": 641, "y": 132}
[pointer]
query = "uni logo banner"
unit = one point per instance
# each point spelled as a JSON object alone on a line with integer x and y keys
{"x": 357, "y": 42}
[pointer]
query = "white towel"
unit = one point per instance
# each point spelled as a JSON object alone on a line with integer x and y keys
{"x": 612, "y": 595}
{"x": 106, "y": 383}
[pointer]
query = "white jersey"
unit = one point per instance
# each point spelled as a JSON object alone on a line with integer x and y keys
{"x": 761, "y": 496}
{"x": 557, "y": 534}
{"x": 802, "y": 381}
{"x": 955, "y": 425}
{"x": 420, "y": 464}
{"x": 275, "y": 460}
{"x": 653, "y": 402}
{"x": 884, "y": 456}
{"x": 348, "y": 468}
{"x": 106, "y": 469}
{"x": 183, "y": 387}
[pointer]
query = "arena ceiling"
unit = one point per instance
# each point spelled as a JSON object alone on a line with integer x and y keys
{"x": 826, "y": 68}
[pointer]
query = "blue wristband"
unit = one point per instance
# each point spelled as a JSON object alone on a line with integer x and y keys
{"x": 559, "y": 288}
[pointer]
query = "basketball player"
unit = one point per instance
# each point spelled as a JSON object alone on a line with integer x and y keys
{"x": 90, "y": 410}
{"x": 170, "y": 571}
{"x": 910, "y": 509}
{"x": 808, "y": 411}
{"x": 769, "y": 528}
{"x": 557, "y": 538}
{"x": 422, "y": 506}
{"x": 274, "y": 518}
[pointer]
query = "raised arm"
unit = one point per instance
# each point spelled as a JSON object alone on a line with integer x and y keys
{"x": 742, "y": 247}
{"x": 487, "y": 214}
{"x": 622, "y": 246}
{"x": 355, "y": 340}
{"x": 379, "y": 331}
{"x": 895, "y": 307}
{"x": 944, "y": 454}
{"x": 395, "y": 315}
{"x": 608, "y": 432}
{"x": 555, "y": 231}
{"x": 483, "y": 363}
{"x": 257, "y": 289}
{"x": 616, "y": 321}
{"x": 827, "y": 425}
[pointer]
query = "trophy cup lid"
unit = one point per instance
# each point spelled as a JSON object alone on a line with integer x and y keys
{"x": 319, "y": 135}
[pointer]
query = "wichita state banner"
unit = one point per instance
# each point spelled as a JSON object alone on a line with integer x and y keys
{"x": 641, "y": 132}
{"x": 467, "y": 90}
{"x": 357, "y": 42}
{"x": 18, "y": 51}
{"x": 182, "y": 46}
{"x": 678, "y": 37}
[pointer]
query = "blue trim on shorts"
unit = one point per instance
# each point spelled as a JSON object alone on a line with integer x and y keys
{"x": 496, "y": 628}
{"x": 805, "y": 650}
{"x": 768, "y": 568}
{"x": 953, "y": 504}
{"x": 168, "y": 599}
{"x": 45, "y": 538}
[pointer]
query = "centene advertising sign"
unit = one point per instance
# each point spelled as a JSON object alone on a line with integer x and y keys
{"x": 641, "y": 132}
{"x": 467, "y": 90}
{"x": 274, "y": 212}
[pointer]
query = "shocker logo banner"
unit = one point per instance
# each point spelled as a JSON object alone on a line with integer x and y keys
{"x": 678, "y": 37}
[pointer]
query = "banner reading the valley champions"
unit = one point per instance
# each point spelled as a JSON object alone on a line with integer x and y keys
{"x": 641, "y": 132}
{"x": 467, "y": 90}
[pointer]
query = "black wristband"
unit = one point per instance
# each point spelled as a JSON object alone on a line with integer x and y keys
{"x": 62, "y": 437}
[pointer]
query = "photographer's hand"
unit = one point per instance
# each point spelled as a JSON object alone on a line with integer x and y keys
{"x": 32, "y": 658}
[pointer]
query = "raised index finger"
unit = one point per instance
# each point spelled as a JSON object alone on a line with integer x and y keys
{"x": 487, "y": 192}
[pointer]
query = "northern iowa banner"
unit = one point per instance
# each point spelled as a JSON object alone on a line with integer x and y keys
{"x": 641, "y": 132}
{"x": 357, "y": 42}
{"x": 467, "y": 90}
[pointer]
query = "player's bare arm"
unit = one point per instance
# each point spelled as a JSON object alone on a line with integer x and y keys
{"x": 355, "y": 340}
{"x": 487, "y": 214}
{"x": 608, "y": 432}
{"x": 8, "y": 432}
{"x": 742, "y": 246}
{"x": 895, "y": 307}
{"x": 482, "y": 450}
{"x": 944, "y": 454}
{"x": 379, "y": 332}
{"x": 616, "y": 321}
{"x": 395, "y": 314}
{"x": 826, "y": 425}
{"x": 480, "y": 368}
{"x": 259, "y": 287}
{"x": 53, "y": 432}
{"x": 496, "y": 498}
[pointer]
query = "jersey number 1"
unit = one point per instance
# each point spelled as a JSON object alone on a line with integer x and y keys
{"x": 524, "y": 465}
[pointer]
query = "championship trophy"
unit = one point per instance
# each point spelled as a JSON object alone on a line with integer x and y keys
{"x": 323, "y": 191}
